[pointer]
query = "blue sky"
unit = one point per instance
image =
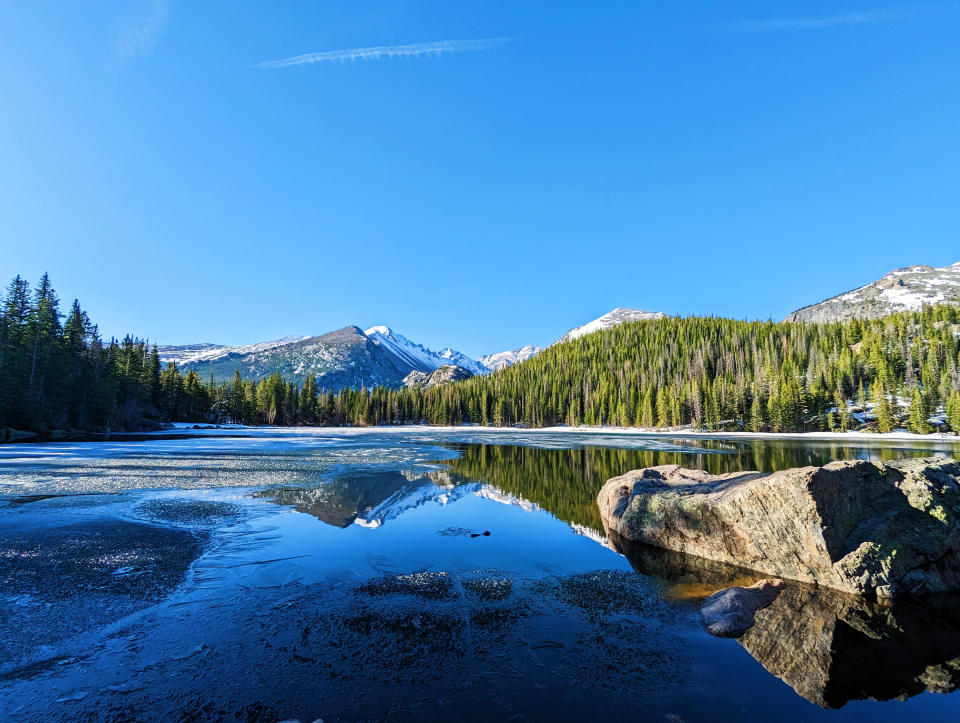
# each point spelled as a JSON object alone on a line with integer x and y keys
{"x": 522, "y": 169}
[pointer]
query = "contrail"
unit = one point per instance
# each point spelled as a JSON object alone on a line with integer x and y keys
{"x": 414, "y": 50}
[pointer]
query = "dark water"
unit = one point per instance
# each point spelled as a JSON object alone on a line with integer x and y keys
{"x": 416, "y": 574}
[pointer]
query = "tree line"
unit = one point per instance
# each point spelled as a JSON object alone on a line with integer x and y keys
{"x": 709, "y": 373}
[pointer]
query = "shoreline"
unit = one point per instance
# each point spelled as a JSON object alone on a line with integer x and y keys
{"x": 200, "y": 430}
{"x": 895, "y": 436}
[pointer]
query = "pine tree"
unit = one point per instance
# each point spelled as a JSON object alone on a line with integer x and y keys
{"x": 882, "y": 409}
{"x": 919, "y": 413}
{"x": 953, "y": 410}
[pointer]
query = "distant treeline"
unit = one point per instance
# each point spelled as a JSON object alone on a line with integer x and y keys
{"x": 711, "y": 373}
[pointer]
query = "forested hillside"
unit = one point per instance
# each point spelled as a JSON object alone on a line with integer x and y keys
{"x": 56, "y": 373}
{"x": 709, "y": 373}
{"x": 717, "y": 374}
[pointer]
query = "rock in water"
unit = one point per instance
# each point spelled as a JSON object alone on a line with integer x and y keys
{"x": 729, "y": 613}
{"x": 860, "y": 527}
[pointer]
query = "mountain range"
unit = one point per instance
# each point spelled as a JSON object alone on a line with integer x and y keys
{"x": 352, "y": 357}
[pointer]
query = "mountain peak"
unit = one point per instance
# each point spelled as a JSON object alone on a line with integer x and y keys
{"x": 381, "y": 330}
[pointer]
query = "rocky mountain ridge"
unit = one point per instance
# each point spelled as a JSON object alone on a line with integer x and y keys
{"x": 443, "y": 375}
{"x": 905, "y": 289}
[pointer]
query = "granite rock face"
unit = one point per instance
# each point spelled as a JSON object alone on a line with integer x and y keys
{"x": 860, "y": 527}
{"x": 444, "y": 375}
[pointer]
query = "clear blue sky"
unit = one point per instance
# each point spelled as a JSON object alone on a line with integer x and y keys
{"x": 730, "y": 158}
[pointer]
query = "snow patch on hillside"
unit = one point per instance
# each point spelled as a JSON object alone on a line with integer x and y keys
{"x": 906, "y": 289}
{"x": 609, "y": 320}
{"x": 192, "y": 353}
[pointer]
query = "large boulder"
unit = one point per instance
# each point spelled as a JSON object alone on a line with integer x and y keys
{"x": 860, "y": 527}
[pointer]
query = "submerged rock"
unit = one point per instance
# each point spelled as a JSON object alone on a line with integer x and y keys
{"x": 830, "y": 647}
{"x": 859, "y": 527}
{"x": 730, "y": 613}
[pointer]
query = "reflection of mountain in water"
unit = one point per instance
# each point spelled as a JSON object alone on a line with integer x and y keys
{"x": 829, "y": 647}
{"x": 341, "y": 501}
{"x": 372, "y": 498}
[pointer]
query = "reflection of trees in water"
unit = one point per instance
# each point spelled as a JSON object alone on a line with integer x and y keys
{"x": 566, "y": 481}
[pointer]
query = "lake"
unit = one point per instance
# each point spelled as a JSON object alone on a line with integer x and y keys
{"x": 416, "y": 574}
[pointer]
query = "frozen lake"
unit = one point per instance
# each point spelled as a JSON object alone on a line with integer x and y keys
{"x": 414, "y": 573}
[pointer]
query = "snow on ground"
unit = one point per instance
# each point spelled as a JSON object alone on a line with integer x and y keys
{"x": 677, "y": 433}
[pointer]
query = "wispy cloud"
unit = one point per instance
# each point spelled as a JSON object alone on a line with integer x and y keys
{"x": 827, "y": 21}
{"x": 441, "y": 47}
{"x": 139, "y": 36}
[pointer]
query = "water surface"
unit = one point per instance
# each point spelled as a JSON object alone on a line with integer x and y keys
{"x": 414, "y": 574}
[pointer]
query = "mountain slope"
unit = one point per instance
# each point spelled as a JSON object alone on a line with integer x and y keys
{"x": 343, "y": 358}
{"x": 608, "y": 320}
{"x": 906, "y": 289}
{"x": 190, "y": 353}
{"x": 443, "y": 375}
{"x": 418, "y": 357}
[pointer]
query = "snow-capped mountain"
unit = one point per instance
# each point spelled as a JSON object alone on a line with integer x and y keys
{"x": 608, "y": 320}
{"x": 906, "y": 289}
{"x": 342, "y": 358}
{"x": 209, "y": 352}
{"x": 419, "y": 357}
{"x": 351, "y": 357}
{"x": 503, "y": 359}
{"x": 348, "y": 357}
{"x": 459, "y": 359}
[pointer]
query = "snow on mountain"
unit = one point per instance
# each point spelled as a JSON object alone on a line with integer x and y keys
{"x": 474, "y": 366}
{"x": 342, "y": 358}
{"x": 419, "y": 357}
{"x": 423, "y": 491}
{"x": 178, "y": 353}
{"x": 609, "y": 320}
{"x": 192, "y": 353}
{"x": 505, "y": 359}
{"x": 907, "y": 289}
{"x": 419, "y": 493}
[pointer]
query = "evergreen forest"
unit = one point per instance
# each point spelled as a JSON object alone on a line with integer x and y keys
{"x": 58, "y": 376}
